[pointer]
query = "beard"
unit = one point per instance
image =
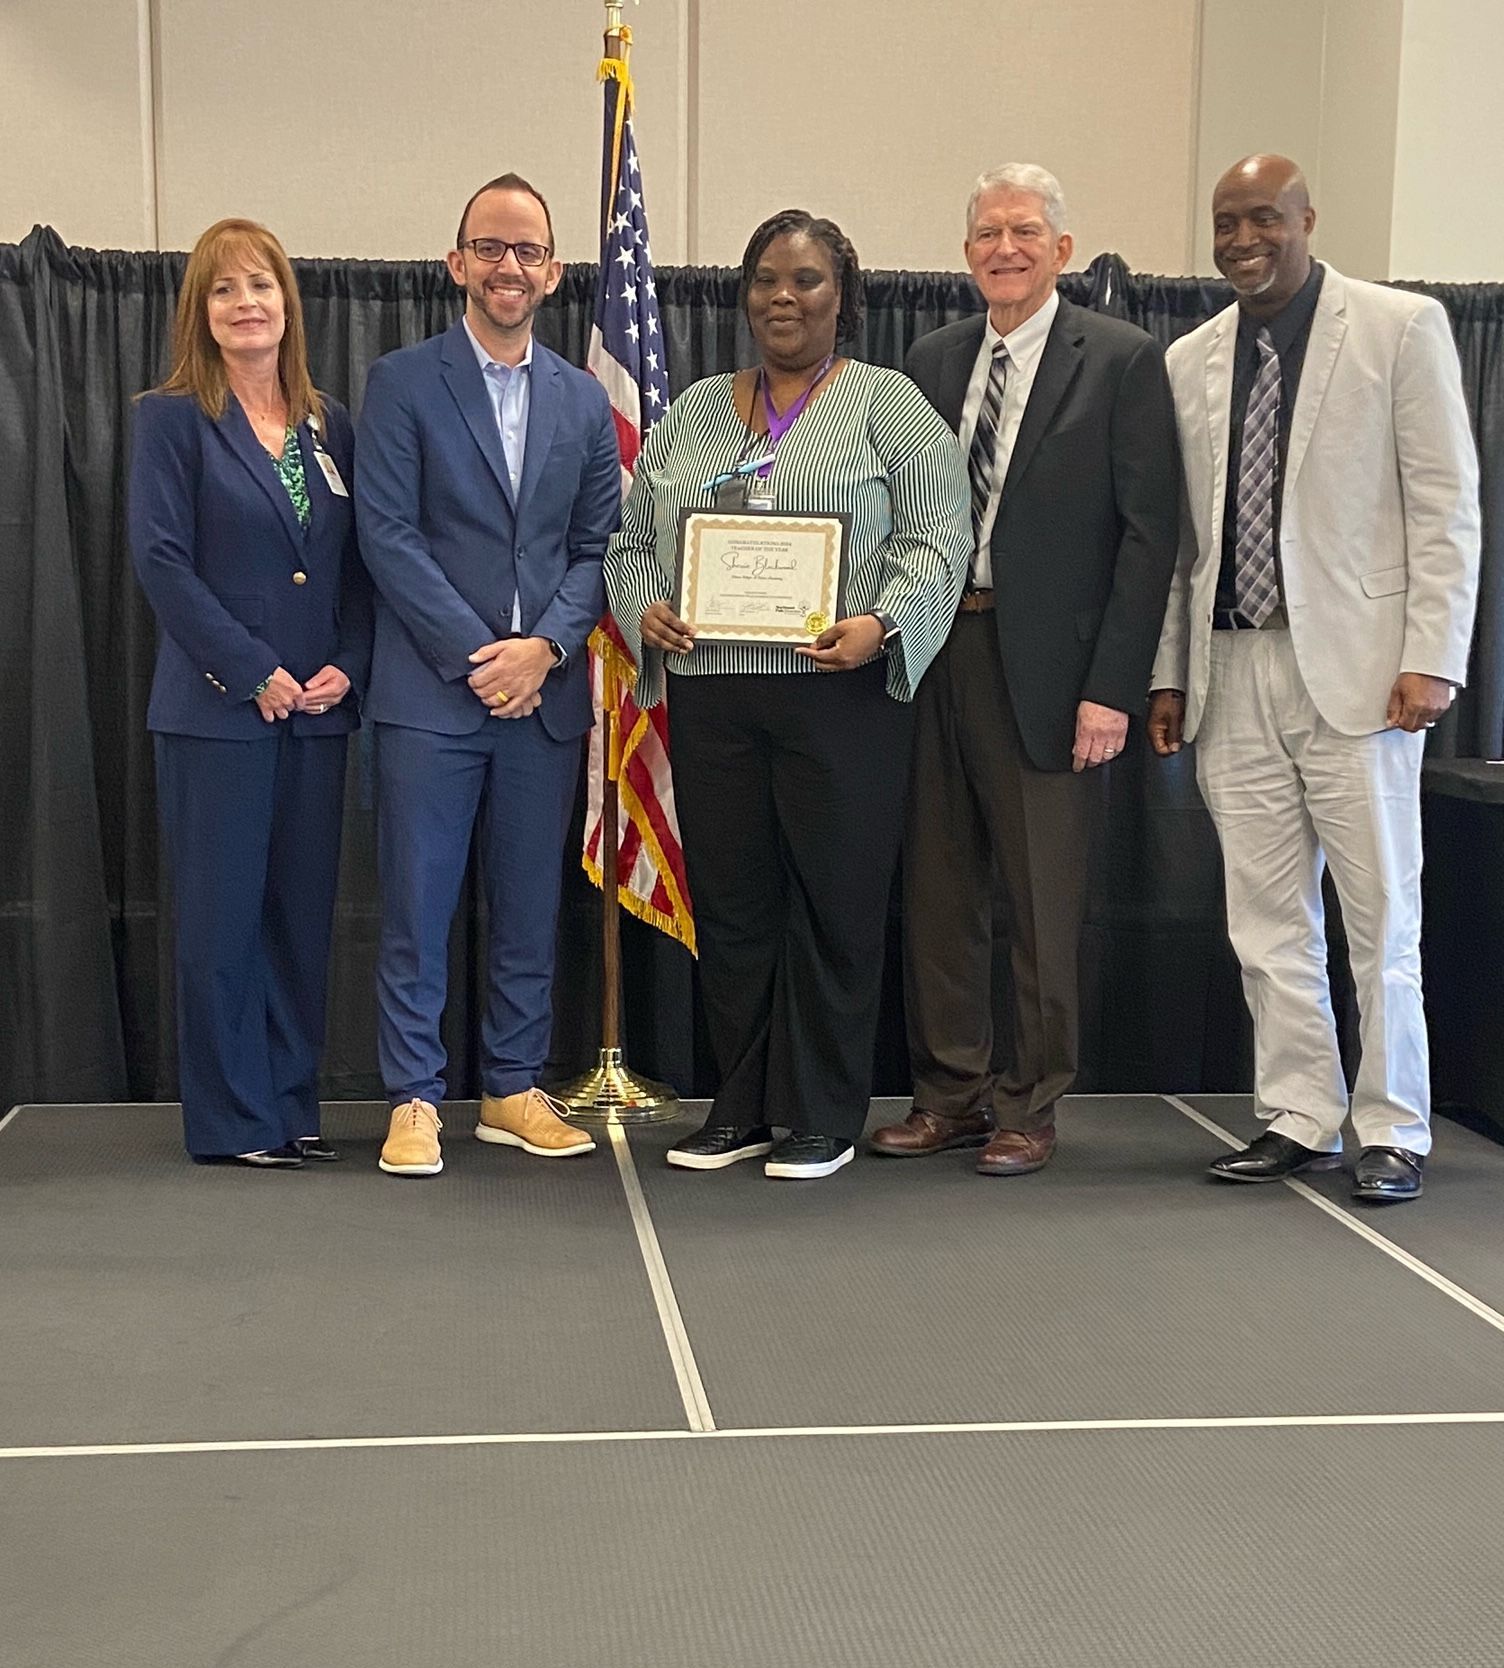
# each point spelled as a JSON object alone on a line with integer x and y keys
{"x": 1246, "y": 284}
{"x": 506, "y": 307}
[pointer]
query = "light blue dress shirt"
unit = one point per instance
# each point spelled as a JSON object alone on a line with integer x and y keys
{"x": 510, "y": 389}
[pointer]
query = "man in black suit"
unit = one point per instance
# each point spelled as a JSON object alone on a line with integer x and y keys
{"x": 1069, "y": 430}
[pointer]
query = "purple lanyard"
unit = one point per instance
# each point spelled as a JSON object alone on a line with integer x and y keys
{"x": 778, "y": 426}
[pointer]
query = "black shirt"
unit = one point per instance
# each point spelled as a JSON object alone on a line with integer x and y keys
{"x": 1290, "y": 331}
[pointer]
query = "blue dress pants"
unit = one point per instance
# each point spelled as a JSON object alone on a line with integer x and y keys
{"x": 252, "y": 830}
{"x": 512, "y": 785}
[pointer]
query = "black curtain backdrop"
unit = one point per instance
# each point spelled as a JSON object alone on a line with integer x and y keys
{"x": 86, "y": 1009}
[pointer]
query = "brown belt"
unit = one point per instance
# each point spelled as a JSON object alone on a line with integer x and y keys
{"x": 976, "y": 602}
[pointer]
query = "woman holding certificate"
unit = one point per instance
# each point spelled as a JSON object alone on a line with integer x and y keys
{"x": 790, "y": 559}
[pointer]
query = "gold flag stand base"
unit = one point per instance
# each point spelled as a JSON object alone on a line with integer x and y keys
{"x": 612, "y": 1093}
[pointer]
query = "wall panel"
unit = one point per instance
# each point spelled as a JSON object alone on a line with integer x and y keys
{"x": 881, "y": 115}
{"x": 361, "y": 131}
{"x": 71, "y": 146}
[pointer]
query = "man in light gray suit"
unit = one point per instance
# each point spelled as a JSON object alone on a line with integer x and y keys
{"x": 1318, "y": 625}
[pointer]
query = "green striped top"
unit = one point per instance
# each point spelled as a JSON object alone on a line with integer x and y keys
{"x": 870, "y": 444}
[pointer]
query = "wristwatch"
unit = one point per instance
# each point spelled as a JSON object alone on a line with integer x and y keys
{"x": 886, "y": 621}
{"x": 559, "y": 655}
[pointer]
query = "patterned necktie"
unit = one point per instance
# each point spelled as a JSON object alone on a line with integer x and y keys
{"x": 979, "y": 462}
{"x": 1255, "y": 580}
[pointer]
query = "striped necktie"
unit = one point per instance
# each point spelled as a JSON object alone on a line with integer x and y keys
{"x": 980, "y": 460}
{"x": 1255, "y": 579}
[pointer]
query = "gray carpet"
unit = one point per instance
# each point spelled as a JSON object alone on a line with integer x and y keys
{"x": 1118, "y": 1282}
{"x": 146, "y": 1298}
{"x": 1162, "y": 1549}
{"x": 1457, "y": 1225}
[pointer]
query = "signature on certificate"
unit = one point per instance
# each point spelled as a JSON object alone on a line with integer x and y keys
{"x": 752, "y": 564}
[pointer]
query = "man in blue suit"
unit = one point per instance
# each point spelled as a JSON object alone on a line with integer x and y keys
{"x": 488, "y": 482}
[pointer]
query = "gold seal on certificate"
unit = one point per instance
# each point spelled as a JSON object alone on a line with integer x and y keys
{"x": 760, "y": 578}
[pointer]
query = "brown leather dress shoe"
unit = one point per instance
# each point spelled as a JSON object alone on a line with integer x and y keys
{"x": 930, "y": 1132}
{"x": 1015, "y": 1152}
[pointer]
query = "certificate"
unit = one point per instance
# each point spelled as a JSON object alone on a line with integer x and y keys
{"x": 760, "y": 578}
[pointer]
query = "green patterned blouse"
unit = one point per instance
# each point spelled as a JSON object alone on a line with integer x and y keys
{"x": 290, "y": 472}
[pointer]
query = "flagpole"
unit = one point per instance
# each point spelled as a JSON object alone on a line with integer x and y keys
{"x": 611, "y": 1092}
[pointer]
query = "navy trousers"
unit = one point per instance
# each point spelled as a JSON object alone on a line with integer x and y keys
{"x": 252, "y": 830}
{"x": 514, "y": 785}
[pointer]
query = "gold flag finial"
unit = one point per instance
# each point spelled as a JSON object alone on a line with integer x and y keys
{"x": 613, "y": 17}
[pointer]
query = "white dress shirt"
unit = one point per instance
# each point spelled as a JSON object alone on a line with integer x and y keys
{"x": 1025, "y": 347}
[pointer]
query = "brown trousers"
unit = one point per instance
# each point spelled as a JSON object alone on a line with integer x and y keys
{"x": 979, "y": 814}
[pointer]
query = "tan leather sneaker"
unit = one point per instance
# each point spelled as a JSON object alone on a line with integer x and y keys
{"x": 533, "y": 1121}
{"x": 412, "y": 1143}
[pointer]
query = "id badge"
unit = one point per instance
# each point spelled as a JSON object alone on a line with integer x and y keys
{"x": 331, "y": 474}
{"x": 757, "y": 496}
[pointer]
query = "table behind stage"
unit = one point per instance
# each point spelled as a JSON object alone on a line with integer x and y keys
{"x": 1463, "y": 945}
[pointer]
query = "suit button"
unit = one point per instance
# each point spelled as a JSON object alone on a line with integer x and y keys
{"x": 300, "y": 578}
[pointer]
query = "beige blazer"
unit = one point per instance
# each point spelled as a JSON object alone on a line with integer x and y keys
{"x": 1379, "y": 530}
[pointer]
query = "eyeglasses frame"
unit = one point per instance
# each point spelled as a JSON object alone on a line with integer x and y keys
{"x": 509, "y": 249}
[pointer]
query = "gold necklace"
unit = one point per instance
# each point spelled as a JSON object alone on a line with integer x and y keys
{"x": 265, "y": 416}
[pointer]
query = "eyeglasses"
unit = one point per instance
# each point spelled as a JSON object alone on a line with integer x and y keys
{"x": 493, "y": 251}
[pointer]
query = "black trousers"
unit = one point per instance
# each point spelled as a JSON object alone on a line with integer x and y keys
{"x": 790, "y": 790}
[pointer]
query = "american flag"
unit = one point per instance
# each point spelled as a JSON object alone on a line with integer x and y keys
{"x": 627, "y": 357}
{"x": 626, "y": 340}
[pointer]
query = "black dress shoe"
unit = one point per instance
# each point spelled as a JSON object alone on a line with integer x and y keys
{"x": 1271, "y": 1158}
{"x": 1385, "y": 1174}
{"x": 317, "y": 1148}
{"x": 717, "y": 1145}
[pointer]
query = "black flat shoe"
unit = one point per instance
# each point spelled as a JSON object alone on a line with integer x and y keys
{"x": 717, "y": 1145}
{"x": 806, "y": 1157}
{"x": 316, "y": 1147}
{"x": 1387, "y": 1174}
{"x": 1271, "y": 1158}
{"x": 271, "y": 1158}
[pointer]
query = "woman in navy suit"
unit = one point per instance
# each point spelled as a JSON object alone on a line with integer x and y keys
{"x": 243, "y": 539}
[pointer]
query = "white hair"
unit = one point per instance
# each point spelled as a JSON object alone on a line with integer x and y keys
{"x": 1021, "y": 176}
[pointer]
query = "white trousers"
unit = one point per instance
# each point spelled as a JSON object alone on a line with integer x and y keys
{"x": 1289, "y": 795}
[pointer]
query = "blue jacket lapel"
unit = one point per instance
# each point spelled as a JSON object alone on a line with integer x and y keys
{"x": 542, "y": 419}
{"x": 462, "y": 376}
{"x": 236, "y": 428}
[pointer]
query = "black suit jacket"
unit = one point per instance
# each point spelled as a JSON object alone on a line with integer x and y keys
{"x": 1084, "y": 544}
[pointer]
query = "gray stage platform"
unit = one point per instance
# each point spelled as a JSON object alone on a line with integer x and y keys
{"x": 509, "y": 1477}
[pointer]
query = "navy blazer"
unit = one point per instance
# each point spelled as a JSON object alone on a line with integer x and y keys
{"x": 448, "y": 546}
{"x": 216, "y": 542}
